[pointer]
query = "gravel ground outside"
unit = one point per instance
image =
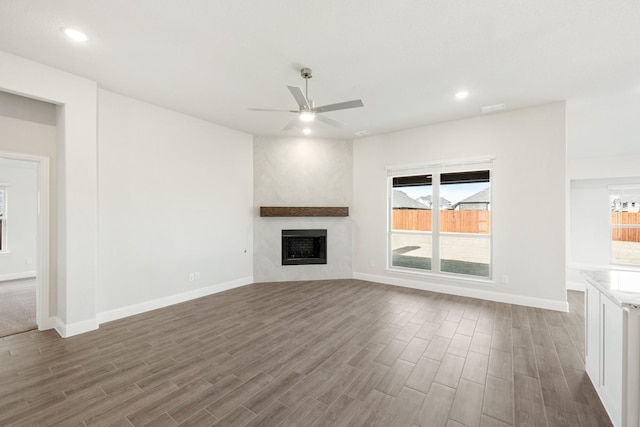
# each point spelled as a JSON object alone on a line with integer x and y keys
{"x": 625, "y": 252}
{"x": 462, "y": 255}
{"x": 472, "y": 255}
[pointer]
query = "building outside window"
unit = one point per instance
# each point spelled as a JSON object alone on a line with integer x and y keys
{"x": 440, "y": 220}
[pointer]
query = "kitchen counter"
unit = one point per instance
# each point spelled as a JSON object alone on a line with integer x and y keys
{"x": 622, "y": 287}
{"x": 612, "y": 341}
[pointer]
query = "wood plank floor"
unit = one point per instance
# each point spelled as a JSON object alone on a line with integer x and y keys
{"x": 317, "y": 353}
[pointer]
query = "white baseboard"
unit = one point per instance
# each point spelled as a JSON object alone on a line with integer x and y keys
{"x": 120, "y": 313}
{"x": 480, "y": 293}
{"x": 16, "y": 276}
{"x": 66, "y": 330}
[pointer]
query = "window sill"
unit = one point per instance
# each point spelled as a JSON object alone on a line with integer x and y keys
{"x": 454, "y": 279}
{"x": 616, "y": 267}
{"x": 624, "y": 267}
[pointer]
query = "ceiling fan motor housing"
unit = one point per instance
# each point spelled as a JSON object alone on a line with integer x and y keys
{"x": 306, "y": 73}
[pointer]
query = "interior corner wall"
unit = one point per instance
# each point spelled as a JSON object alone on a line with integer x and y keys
{"x": 302, "y": 172}
{"x": 75, "y": 304}
{"x": 528, "y": 191}
{"x": 175, "y": 199}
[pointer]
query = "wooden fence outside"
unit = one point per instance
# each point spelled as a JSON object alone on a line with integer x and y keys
{"x": 450, "y": 221}
{"x": 625, "y": 234}
{"x": 479, "y": 222}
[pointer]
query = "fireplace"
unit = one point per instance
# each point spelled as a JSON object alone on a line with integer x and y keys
{"x": 300, "y": 247}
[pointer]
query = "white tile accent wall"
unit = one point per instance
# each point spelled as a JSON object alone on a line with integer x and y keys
{"x": 302, "y": 172}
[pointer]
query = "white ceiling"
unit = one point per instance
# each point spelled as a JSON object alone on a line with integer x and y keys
{"x": 405, "y": 59}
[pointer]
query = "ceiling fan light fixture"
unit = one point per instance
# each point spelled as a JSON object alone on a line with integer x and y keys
{"x": 307, "y": 116}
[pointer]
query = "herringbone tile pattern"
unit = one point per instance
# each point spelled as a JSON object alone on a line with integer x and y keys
{"x": 315, "y": 353}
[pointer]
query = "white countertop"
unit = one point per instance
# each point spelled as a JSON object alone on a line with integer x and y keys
{"x": 623, "y": 287}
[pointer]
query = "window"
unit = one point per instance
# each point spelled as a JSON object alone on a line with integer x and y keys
{"x": 3, "y": 219}
{"x": 440, "y": 220}
{"x": 624, "y": 202}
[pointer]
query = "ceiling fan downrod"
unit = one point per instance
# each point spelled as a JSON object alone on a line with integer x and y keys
{"x": 306, "y": 75}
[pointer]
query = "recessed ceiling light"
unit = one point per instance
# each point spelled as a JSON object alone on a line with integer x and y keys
{"x": 307, "y": 116}
{"x": 361, "y": 133}
{"x": 306, "y": 131}
{"x": 462, "y": 94}
{"x": 75, "y": 35}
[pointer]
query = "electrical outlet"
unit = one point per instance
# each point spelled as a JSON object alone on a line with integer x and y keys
{"x": 505, "y": 278}
{"x": 28, "y": 261}
{"x": 192, "y": 277}
{"x": 197, "y": 275}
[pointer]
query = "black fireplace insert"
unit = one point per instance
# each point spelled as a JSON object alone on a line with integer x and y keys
{"x": 300, "y": 247}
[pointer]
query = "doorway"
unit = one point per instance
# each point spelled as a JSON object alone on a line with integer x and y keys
{"x": 24, "y": 254}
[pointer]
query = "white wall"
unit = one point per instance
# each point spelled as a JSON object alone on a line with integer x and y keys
{"x": 205, "y": 169}
{"x": 302, "y": 172}
{"x": 175, "y": 197}
{"x": 603, "y": 136}
{"x": 75, "y": 303}
{"x": 21, "y": 181}
{"x": 603, "y": 126}
{"x": 528, "y": 192}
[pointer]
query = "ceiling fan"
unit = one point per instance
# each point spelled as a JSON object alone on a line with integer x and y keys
{"x": 306, "y": 111}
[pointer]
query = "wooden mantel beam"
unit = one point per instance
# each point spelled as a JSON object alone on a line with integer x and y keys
{"x": 275, "y": 211}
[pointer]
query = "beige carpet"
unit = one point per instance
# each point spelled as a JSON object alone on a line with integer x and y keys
{"x": 17, "y": 306}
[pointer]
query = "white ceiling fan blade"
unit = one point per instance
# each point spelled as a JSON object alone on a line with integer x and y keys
{"x": 339, "y": 106}
{"x": 300, "y": 98}
{"x": 272, "y": 110}
{"x": 330, "y": 122}
{"x": 292, "y": 124}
